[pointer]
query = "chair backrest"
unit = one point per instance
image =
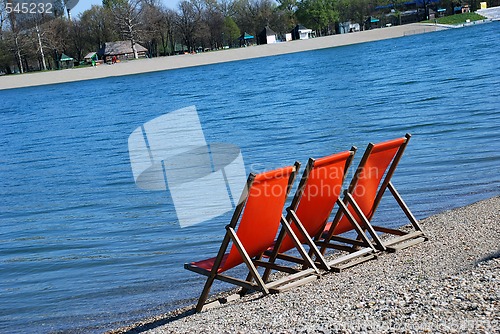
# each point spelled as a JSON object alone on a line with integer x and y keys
{"x": 319, "y": 189}
{"x": 260, "y": 221}
{"x": 372, "y": 177}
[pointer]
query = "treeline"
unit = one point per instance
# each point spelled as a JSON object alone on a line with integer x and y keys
{"x": 35, "y": 41}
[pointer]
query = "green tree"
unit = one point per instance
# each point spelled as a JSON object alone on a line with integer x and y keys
{"x": 109, "y": 4}
{"x": 288, "y": 8}
{"x": 318, "y": 15}
{"x": 355, "y": 10}
{"x": 231, "y": 31}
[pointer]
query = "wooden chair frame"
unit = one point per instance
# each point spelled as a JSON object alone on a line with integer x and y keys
{"x": 253, "y": 280}
{"x": 356, "y": 254}
{"x": 403, "y": 239}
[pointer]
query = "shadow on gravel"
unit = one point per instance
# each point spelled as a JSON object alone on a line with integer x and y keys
{"x": 153, "y": 323}
{"x": 492, "y": 256}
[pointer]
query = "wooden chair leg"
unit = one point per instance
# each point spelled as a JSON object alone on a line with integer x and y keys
{"x": 204, "y": 293}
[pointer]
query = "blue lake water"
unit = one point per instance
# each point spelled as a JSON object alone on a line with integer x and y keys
{"x": 82, "y": 248}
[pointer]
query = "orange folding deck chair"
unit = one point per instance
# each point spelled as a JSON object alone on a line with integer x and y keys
{"x": 261, "y": 211}
{"x": 318, "y": 192}
{"x": 371, "y": 179}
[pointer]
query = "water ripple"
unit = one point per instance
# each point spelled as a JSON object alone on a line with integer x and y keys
{"x": 84, "y": 249}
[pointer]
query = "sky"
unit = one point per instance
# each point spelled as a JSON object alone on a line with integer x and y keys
{"x": 83, "y": 5}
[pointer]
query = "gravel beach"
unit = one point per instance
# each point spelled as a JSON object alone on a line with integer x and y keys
{"x": 449, "y": 284}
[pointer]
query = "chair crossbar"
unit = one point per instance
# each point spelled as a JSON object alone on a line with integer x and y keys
{"x": 348, "y": 240}
{"x": 243, "y": 283}
{"x": 274, "y": 266}
{"x": 290, "y": 278}
{"x": 345, "y": 248}
{"x": 388, "y": 230}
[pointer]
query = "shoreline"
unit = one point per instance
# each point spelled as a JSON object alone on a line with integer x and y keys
{"x": 208, "y": 58}
{"x": 450, "y": 283}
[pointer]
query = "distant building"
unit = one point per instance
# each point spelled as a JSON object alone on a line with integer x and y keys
{"x": 267, "y": 36}
{"x": 301, "y": 32}
{"x": 245, "y": 39}
{"x": 121, "y": 50}
{"x": 432, "y": 14}
{"x": 372, "y": 23}
{"x": 66, "y": 61}
{"x": 90, "y": 56}
{"x": 346, "y": 27}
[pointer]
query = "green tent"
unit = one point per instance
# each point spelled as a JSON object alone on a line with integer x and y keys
{"x": 66, "y": 61}
{"x": 66, "y": 58}
{"x": 245, "y": 36}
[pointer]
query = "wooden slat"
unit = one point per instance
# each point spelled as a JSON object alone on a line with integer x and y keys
{"x": 349, "y": 264}
{"x": 405, "y": 237}
{"x": 230, "y": 298}
{"x": 349, "y": 257}
{"x": 290, "y": 278}
{"x": 404, "y": 245}
{"x": 210, "y": 305}
{"x": 293, "y": 284}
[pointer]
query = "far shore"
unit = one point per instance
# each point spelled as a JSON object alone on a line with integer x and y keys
{"x": 207, "y": 58}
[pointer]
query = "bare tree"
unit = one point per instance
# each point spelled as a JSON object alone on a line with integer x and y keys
{"x": 79, "y": 39}
{"x": 127, "y": 15}
{"x": 16, "y": 39}
{"x": 99, "y": 27}
{"x": 36, "y": 23}
{"x": 153, "y": 18}
{"x": 3, "y": 17}
{"x": 253, "y": 15}
{"x": 168, "y": 34}
{"x": 214, "y": 21}
{"x": 187, "y": 22}
{"x": 227, "y": 7}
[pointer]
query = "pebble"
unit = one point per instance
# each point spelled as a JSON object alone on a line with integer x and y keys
{"x": 438, "y": 286}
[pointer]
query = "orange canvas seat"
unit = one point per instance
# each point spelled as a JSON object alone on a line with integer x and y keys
{"x": 369, "y": 183}
{"x": 252, "y": 230}
{"x": 318, "y": 192}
